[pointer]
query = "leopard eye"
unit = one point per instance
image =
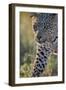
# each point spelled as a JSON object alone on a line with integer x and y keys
{"x": 35, "y": 28}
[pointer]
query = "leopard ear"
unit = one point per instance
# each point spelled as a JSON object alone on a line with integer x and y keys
{"x": 34, "y": 15}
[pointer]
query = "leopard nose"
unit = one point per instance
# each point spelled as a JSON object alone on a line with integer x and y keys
{"x": 39, "y": 37}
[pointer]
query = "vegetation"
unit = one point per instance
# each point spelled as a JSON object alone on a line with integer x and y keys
{"x": 52, "y": 67}
{"x": 50, "y": 70}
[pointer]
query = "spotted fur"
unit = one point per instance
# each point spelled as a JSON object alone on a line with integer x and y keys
{"x": 46, "y": 36}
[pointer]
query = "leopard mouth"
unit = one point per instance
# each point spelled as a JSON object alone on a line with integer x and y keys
{"x": 40, "y": 41}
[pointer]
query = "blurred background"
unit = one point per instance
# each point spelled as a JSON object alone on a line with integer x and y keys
{"x": 27, "y": 45}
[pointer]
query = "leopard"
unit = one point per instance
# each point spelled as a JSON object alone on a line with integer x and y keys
{"x": 45, "y": 29}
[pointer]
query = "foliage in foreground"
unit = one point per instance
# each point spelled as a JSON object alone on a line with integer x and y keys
{"x": 50, "y": 70}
